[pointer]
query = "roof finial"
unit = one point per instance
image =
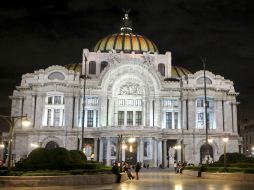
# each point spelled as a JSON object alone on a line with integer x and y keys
{"x": 126, "y": 23}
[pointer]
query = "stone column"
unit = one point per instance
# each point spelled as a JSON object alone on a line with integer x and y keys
{"x": 94, "y": 118}
{"x": 155, "y": 153}
{"x": 164, "y": 153}
{"x": 143, "y": 113}
{"x": 178, "y": 151}
{"x": 103, "y": 111}
{"x": 192, "y": 114}
{"x": 95, "y": 149}
{"x": 219, "y": 115}
{"x": 110, "y": 111}
{"x": 101, "y": 151}
{"x": 184, "y": 115}
{"x": 115, "y": 113}
{"x": 68, "y": 111}
{"x": 157, "y": 114}
{"x": 235, "y": 117}
{"x": 151, "y": 112}
{"x": 227, "y": 119}
{"x": 108, "y": 152}
{"x": 39, "y": 111}
{"x": 163, "y": 120}
{"x": 159, "y": 152}
{"x": 141, "y": 150}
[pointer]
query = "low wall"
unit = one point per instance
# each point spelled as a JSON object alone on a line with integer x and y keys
{"x": 70, "y": 180}
{"x": 238, "y": 176}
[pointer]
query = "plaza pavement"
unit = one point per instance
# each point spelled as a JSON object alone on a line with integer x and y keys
{"x": 157, "y": 179}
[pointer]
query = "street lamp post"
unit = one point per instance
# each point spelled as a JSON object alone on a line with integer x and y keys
{"x": 12, "y": 120}
{"x": 225, "y": 140}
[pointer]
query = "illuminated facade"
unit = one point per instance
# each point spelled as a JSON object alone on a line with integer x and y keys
{"x": 133, "y": 91}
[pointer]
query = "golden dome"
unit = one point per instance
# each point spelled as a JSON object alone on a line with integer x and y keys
{"x": 126, "y": 41}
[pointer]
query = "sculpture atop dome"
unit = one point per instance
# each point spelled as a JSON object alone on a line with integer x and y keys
{"x": 126, "y": 23}
{"x": 126, "y": 41}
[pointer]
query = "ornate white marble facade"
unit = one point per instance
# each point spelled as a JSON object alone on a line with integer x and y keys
{"x": 130, "y": 96}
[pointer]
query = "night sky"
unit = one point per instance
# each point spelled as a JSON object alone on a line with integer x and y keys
{"x": 35, "y": 34}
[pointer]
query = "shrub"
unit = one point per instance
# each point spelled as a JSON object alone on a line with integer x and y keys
{"x": 233, "y": 157}
{"x": 38, "y": 155}
{"x": 92, "y": 166}
{"x": 59, "y": 158}
{"x": 243, "y": 165}
{"x": 77, "y": 156}
{"x": 223, "y": 170}
{"x": 76, "y": 172}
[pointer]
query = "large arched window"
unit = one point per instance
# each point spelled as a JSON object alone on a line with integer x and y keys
{"x": 206, "y": 153}
{"x": 92, "y": 67}
{"x": 161, "y": 68}
{"x": 103, "y": 65}
{"x": 51, "y": 145}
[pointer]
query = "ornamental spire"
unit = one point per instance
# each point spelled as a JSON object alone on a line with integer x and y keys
{"x": 126, "y": 22}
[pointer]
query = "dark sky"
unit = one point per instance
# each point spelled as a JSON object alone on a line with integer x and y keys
{"x": 35, "y": 34}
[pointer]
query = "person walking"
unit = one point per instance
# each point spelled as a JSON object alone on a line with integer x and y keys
{"x": 137, "y": 169}
{"x": 126, "y": 169}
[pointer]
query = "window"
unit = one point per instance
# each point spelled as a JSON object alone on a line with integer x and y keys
{"x": 172, "y": 121}
{"x": 56, "y": 76}
{"x": 103, "y": 65}
{"x": 54, "y": 110}
{"x": 200, "y": 120}
{"x": 120, "y": 118}
{"x": 129, "y": 118}
{"x": 161, "y": 69}
{"x": 57, "y": 100}
{"x": 49, "y": 117}
{"x": 138, "y": 117}
{"x": 90, "y": 118}
{"x": 57, "y": 117}
{"x": 50, "y": 100}
{"x": 202, "y": 80}
{"x": 200, "y": 113}
{"x": 200, "y": 103}
{"x": 176, "y": 120}
{"x": 169, "y": 120}
{"x": 92, "y": 67}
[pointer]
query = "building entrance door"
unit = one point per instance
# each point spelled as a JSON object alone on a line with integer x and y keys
{"x": 131, "y": 153}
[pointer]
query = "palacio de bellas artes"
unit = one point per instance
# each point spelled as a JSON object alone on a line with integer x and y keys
{"x": 127, "y": 100}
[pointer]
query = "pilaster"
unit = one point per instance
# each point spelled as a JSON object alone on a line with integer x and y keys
{"x": 108, "y": 152}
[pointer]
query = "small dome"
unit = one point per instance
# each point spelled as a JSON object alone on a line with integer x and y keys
{"x": 75, "y": 67}
{"x": 126, "y": 41}
{"x": 177, "y": 72}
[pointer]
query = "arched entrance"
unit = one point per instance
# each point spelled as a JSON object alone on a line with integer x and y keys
{"x": 131, "y": 153}
{"x": 206, "y": 153}
{"x": 51, "y": 145}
